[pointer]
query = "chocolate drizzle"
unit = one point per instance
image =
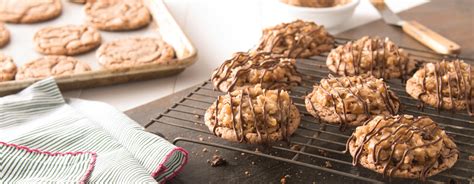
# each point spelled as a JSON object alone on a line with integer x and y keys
{"x": 403, "y": 133}
{"x": 282, "y": 119}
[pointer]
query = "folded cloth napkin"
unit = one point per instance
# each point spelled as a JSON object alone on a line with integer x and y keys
{"x": 45, "y": 138}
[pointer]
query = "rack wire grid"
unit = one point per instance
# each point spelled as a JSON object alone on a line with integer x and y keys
{"x": 319, "y": 142}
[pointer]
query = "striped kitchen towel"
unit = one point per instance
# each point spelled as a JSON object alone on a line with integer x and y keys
{"x": 45, "y": 138}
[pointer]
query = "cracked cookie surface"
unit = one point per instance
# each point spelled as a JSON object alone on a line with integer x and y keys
{"x": 253, "y": 115}
{"x": 351, "y": 100}
{"x": 134, "y": 51}
{"x": 29, "y": 11}
{"x": 7, "y": 68}
{"x": 4, "y": 35}
{"x": 297, "y": 39}
{"x": 247, "y": 69}
{"x": 402, "y": 146}
{"x": 117, "y": 15}
{"x": 444, "y": 85}
{"x": 375, "y": 56}
{"x": 66, "y": 40}
{"x": 51, "y": 66}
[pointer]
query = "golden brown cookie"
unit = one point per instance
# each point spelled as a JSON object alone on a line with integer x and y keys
{"x": 247, "y": 69}
{"x": 297, "y": 39}
{"x": 29, "y": 11}
{"x": 134, "y": 51}
{"x": 4, "y": 35}
{"x": 7, "y": 68}
{"x": 66, "y": 40}
{"x": 117, "y": 15}
{"x": 253, "y": 115}
{"x": 51, "y": 66}
{"x": 375, "y": 56}
{"x": 444, "y": 85}
{"x": 351, "y": 100}
{"x": 78, "y": 1}
{"x": 402, "y": 146}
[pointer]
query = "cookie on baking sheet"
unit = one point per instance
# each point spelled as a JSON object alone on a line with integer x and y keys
{"x": 29, "y": 11}
{"x": 375, "y": 56}
{"x": 297, "y": 39}
{"x": 51, "y": 66}
{"x": 253, "y": 115}
{"x": 66, "y": 40}
{"x": 7, "y": 68}
{"x": 402, "y": 146}
{"x": 247, "y": 69}
{"x": 4, "y": 35}
{"x": 444, "y": 85}
{"x": 134, "y": 51}
{"x": 351, "y": 100}
{"x": 117, "y": 15}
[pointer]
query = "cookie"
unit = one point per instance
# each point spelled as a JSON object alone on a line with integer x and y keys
{"x": 444, "y": 85}
{"x": 297, "y": 39}
{"x": 134, "y": 51}
{"x": 4, "y": 35}
{"x": 247, "y": 69}
{"x": 351, "y": 100}
{"x": 51, "y": 66}
{"x": 375, "y": 56}
{"x": 402, "y": 146}
{"x": 7, "y": 68}
{"x": 117, "y": 15}
{"x": 253, "y": 115}
{"x": 66, "y": 40}
{"x": 29, "y": 11}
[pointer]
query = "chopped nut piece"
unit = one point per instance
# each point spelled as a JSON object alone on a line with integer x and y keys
{"x": 204, "y": 150}
{"x": 296, "y": 147}
{"x": 327, "y": 164}
{"x": 247, "y": 173}
{"x": 217, "y": 161}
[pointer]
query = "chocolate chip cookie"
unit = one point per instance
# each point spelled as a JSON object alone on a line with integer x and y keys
{"x": 444, "y": 85}
{"x": 29, "y": 11}
{"x": 134, "y": 51}
{"x": 247, "y": 69}
{"x": 375, "y": 56}
{"x": 297, "y": 39}
{"x": 51, "y": 66}
{"x": 402, "y": 146}
{"x": 7, "y": 68}
{"x": 351, "y": 100}
{"x": 4, "y": 35}
{"x": 253, "y": 115}
{"x": 117, "y": 15}
{"x": 66, "y": 40}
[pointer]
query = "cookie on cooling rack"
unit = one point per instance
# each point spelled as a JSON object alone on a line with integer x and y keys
{"x": 51, "y": 66}
{"x": 134, "y": 51}
{"x": 247, "y": 69}
{"x": 4, "y": 35}
{"x": 444, "y": 85}
{"x": 117, "y": 15}
{"x": 351, "y": 100}
{"x": 297, "y": 39}
{"x": 31, "y": 11}
{"x": 7, "y": 68}
{"x": 253, "y": 115}
{"x": 66, "y": 40}
{"x": 402, "y": 146}
{"x": 375, "y": 56}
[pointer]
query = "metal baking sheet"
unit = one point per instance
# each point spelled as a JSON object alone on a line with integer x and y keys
{"x": 163, "y": 25}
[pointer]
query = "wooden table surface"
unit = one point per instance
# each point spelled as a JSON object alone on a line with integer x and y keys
{"x": 453, "y": 19}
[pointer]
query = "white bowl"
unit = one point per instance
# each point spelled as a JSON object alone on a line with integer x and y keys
{"x": 329, "y": 17}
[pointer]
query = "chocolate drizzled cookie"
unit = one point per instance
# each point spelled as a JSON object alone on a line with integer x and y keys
{"x": 444, "y": 85}
{"x": 378, "y": 57}
{"x": 246, "y": 69}
{"x": 253, "y": 115}
{"x": 297, "y": 39}
{"x": 351, "y": 100}
{"x": 402, "y": 146}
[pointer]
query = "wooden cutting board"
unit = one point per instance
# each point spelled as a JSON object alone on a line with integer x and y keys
{"x": 452, "y": 19}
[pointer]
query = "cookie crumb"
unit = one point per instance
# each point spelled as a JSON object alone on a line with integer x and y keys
{"x": 197, "y": 116}
{"x": 253, "y": 163}
{"x": 471, "y": 157}
{"x": 322, "y": 152}
{"x": 217, "y": 161}
{"x": 208, "y": 137}
{"x": 201, "y": 139}
{"x": 204, "y": 150}
{"x": 242, "y": 154}
{"x": 296, "y": 147}
{"x": 327, "y": 164}
{"x": 247, "y": 173}
{"x": 235, "y": 158}
{"x": 257, "y": 150}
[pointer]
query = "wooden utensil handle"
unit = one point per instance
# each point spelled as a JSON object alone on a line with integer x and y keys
{"x": 430, "y": 38}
